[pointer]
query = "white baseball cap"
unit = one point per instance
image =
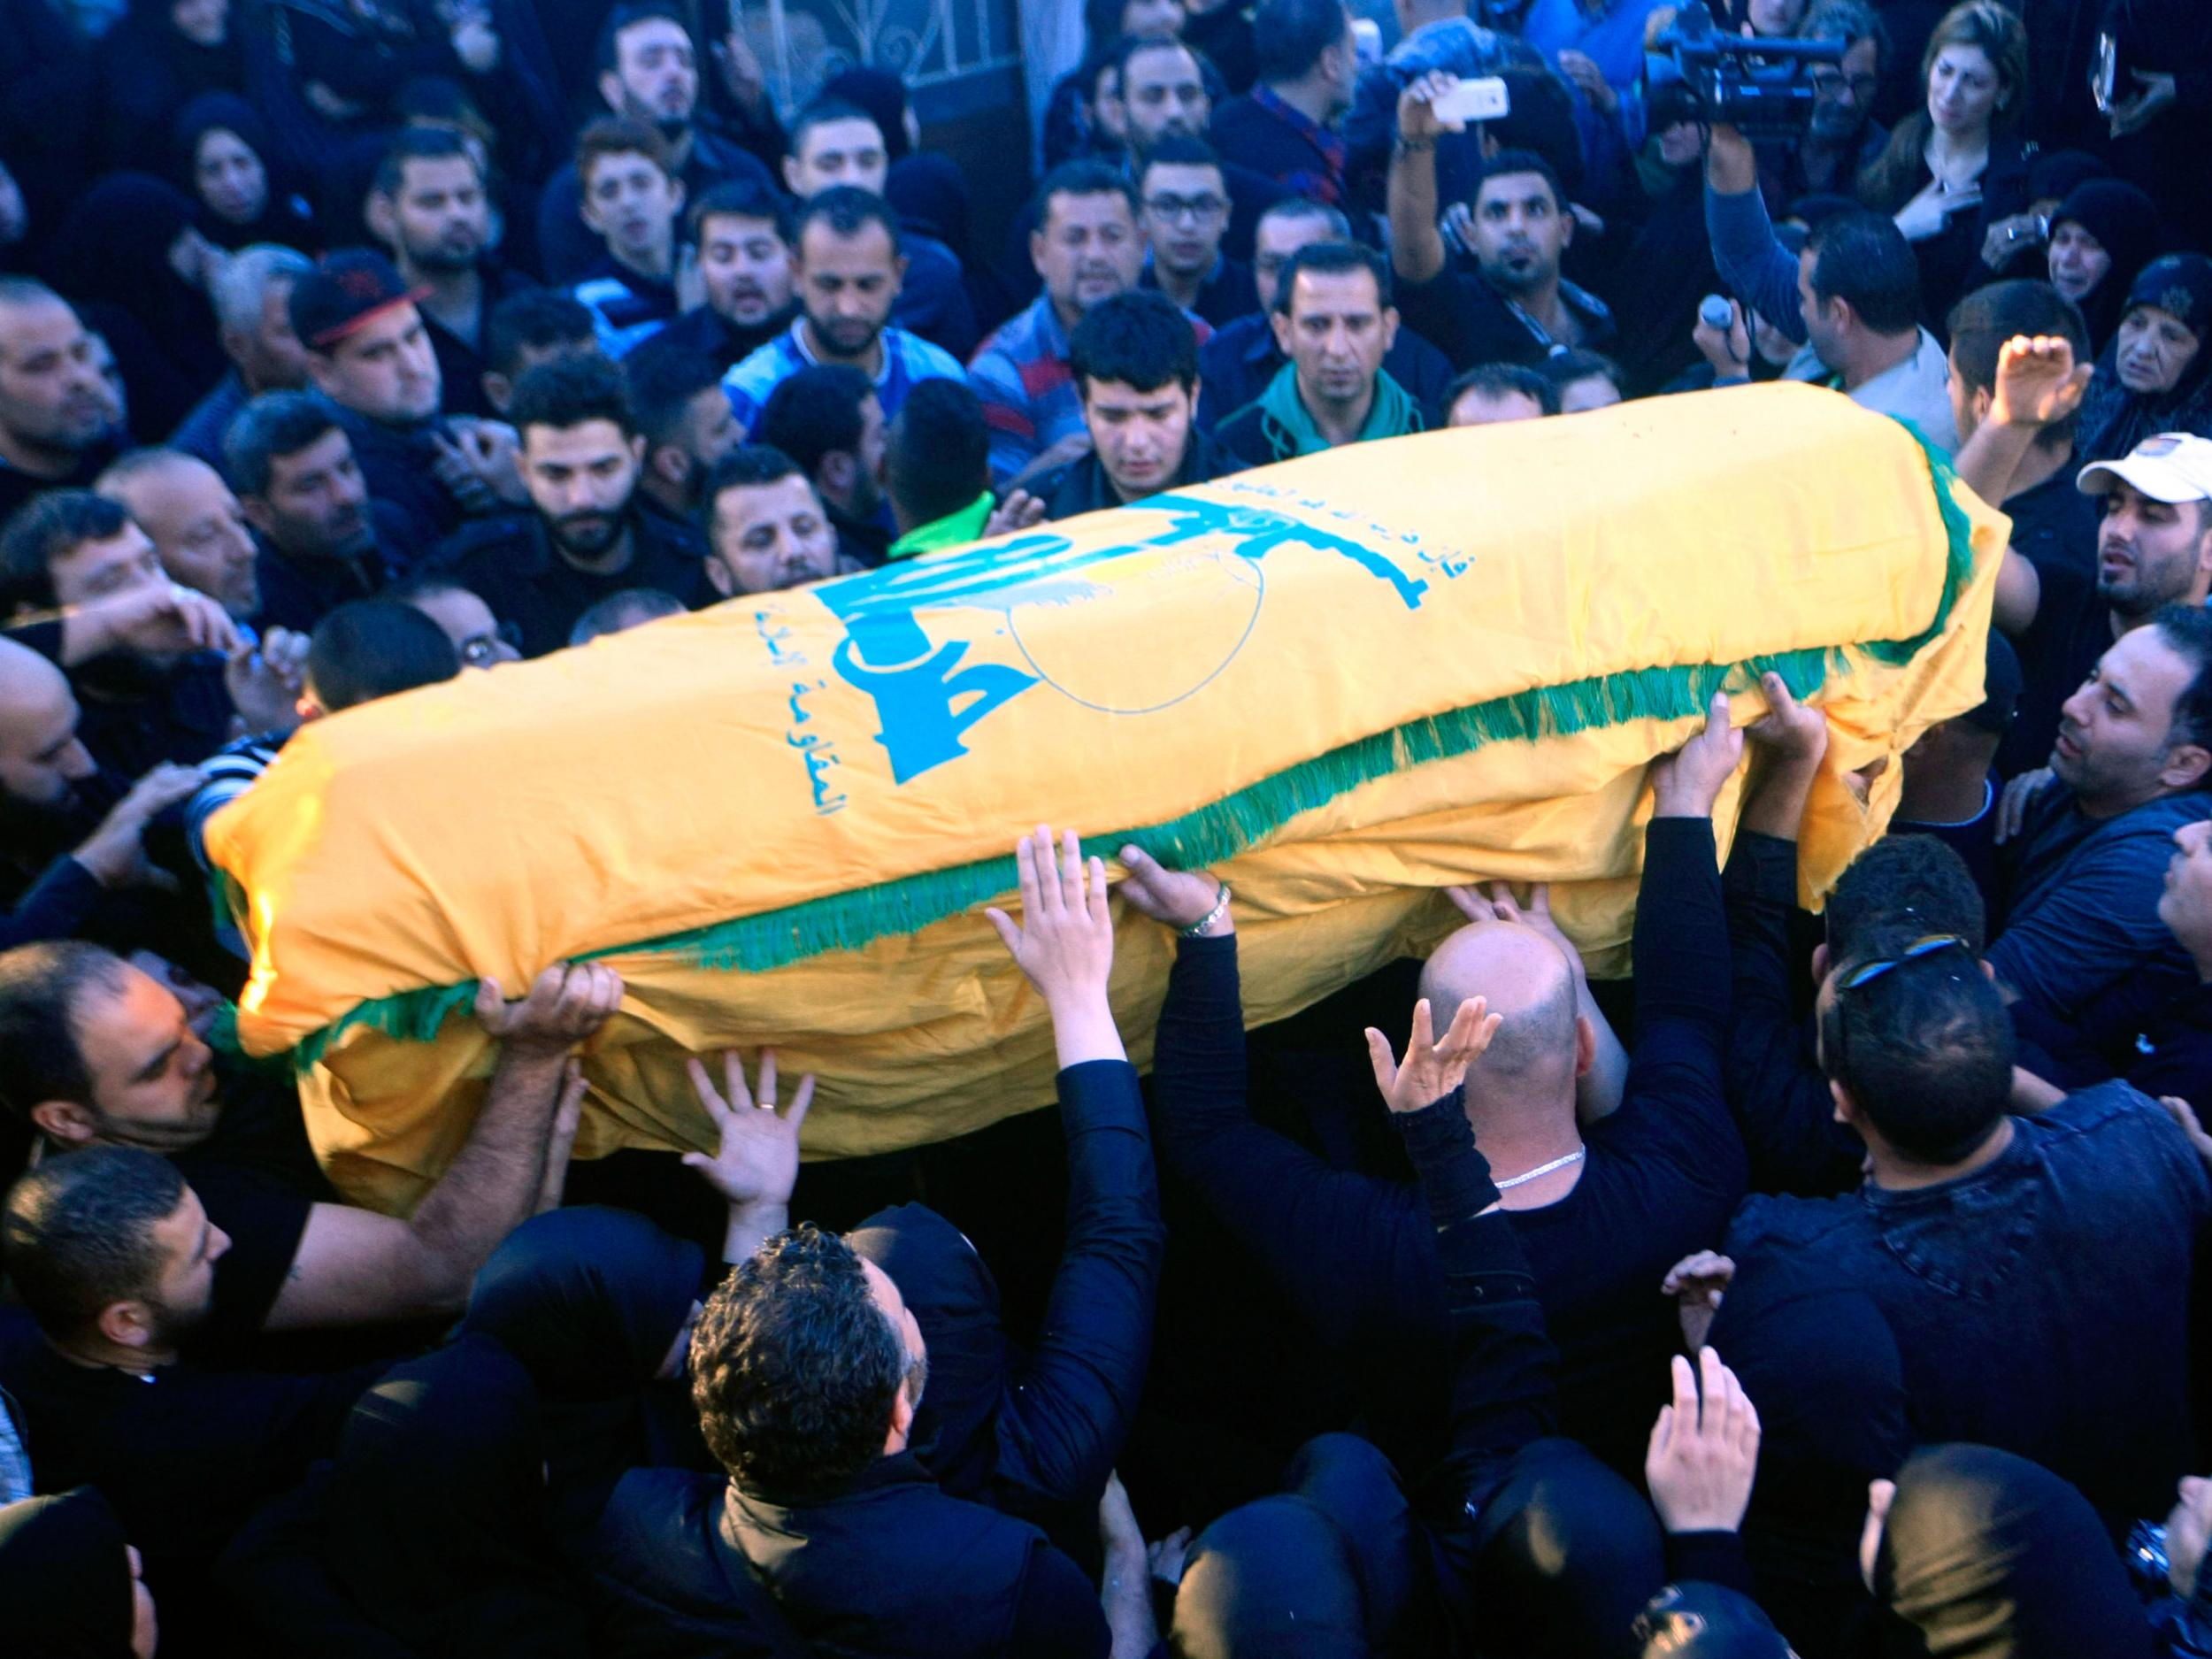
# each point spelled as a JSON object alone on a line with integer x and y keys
{"x": 2168, "y": 467}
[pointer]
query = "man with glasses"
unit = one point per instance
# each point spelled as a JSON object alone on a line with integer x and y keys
{"x": 1843, "y": 135}
{"x": 1184, "y": 201}
{"x": 479, "y": 639}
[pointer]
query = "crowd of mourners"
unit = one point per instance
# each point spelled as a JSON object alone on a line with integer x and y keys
{"x": 1827, "y": 1287}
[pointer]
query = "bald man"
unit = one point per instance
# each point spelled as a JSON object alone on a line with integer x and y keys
{"x": 198, "y": 529}
{"x": 71, "y": 833}
{"x": 1604, "y": 1206}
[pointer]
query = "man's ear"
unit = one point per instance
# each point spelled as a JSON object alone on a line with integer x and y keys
{"x": 2186, "y": 766}
{"x": 256, "y": 513}
{"x": 1847, "y": 1108}
{"x": 381, "y": 217}
{"x": 637, "y": 450}
{"x": 902, "y": 1421}
{"x": 1389, "y": 326}
{"x": 719, "y": 573}
{"x": 499, "y": 391}
{"x": 670, "y": 463}
{"x": 610, "y": 90}
{"x": 839, "y": 469}
{"x": 1279, "y": 321}
{"x": 791, "y": 176}
{"x": 322, "y": 371}
{"x": 676, "y": 188}
{"x": 1821, "y": 959}
{"x": 126, "y": 1323}
{"x": 1586, "y": 1046}
{"x": 66, "y": 1122}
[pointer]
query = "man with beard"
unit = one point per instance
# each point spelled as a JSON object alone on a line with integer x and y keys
{"x": 745, "y": 267}
{"x": 1162, "y": 95}
{"x": 586, "y": 537}
{"x": 1088, "y": 247}
{"x": 649, "y": 71}
{"x": 847, "y": 267}
{"x": 430, "y": 210}
{"x": 768, "y": 527}
{"x": 1186, "y": 209}
{"x": 1516, "y": 308}
{"x": 685, "y": 417}
{"x": 1843, "y": 135}
{"x": 142, "y": 703}
{"x": 526, "y": 329}
{"x": 74, "y": 834}
{"x": 302, "y": 491}
{"x": 56, "y": 415}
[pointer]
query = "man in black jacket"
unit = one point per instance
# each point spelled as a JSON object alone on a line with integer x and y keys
{"x": 808, "y": 1368}
{"x": 1135, "y": 364}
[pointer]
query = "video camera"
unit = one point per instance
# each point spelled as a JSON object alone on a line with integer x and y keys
{"x": 1763, "y": 87}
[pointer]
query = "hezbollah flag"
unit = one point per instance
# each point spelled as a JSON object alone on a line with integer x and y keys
{"x": 1342, "y": 682}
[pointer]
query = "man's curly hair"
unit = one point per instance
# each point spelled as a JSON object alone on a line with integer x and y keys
{"x": 793, "y": 1367}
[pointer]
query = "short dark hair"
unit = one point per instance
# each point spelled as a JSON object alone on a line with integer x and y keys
{"x": 619, "y": 135}
{"x": 1504, "y": 380}
{"x": 1332, "y": 258}
{"x": 628, "y": 17}
{"x": 1506, "y": 163}
{"x": 1084, "y": 178}
{"x": 663, "y": 376}
{"x": 419, "y": 143}
{"x": 1139, "y": 339}
{"x": 78, "y": 1232}
{"x": 41, "y": 986}
{"x": 847, "y": 210}
{"x": 569, "y": 391}
{"x": 1913, "y": 884}
{"x": 1565, "y": 368}
{"x": 1306, "y": 207}
{"x": 1179, "y": 149}
{"x": 937, "y": 455}
{"x": 1862, "y": 258}
{"x": 1980, "y": 324}
{"x": 815, "y": 413}
{"x": 739, "y": 198}
{"x": 748, "y": 467}
{"x": 2187, "y": 630}
{"x": 52, "y": 526}
{"x": 821, "y": 112}
{"x": 367, "y": 649}
{"x": 272, "y": 426}
{"x": 1129, "y": 45}
{"x": 1924, "y": 1048}
{"x": 793, "y": 1367}
{"x": 535, "y": 319}
{"x": 626, "y": 610}
{"x": 1288, "y": 36}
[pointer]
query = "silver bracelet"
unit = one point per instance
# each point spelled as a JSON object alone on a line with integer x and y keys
{"x": 1220, "y": 909}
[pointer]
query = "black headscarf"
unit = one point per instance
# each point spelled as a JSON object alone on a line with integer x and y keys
{"x": 2125, "y": 221}
{"x": 2114, "y": 419}
{"x": 150, "y": 71}
{"x": 282, "y": 219}
{"x": 953, "y": 1297}
{"x": 1986, "y": 1556}
{"x": 435, "y": 1515}
{"x": 65, "y": 1579}
{"x": 590, "y": 1300}
{"x": 113, "y": 249}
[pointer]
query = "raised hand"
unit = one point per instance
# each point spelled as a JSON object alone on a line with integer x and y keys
{"x": 1582, "y": 70}
{"x": 1020, "y": 510}
{"x": 1686, "y": 783}
{"x": 1416, "y": 116}
{"x": 755, "y": 1159}
{"x": 1727, "y": 349}
{"x": 1065, "y": 943}
{"x": 2037, "y": 381}
{"x": 1794, "y": 733}
{"x": 1432, "y": 1067}
{"x": 1697, "y": 1283}
{"x": 115, "y": 853}
{"x": 2012, "y": 806}
{"x": 1181, "y": 898}
{"x": 264, "y": 681}
{"x": 567, "y": 1005}
{"x": 1704, "y": 1449}
{"x": 1500, "y": 905}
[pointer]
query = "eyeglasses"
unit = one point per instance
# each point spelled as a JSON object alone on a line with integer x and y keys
{"x": 1867, "y": 972}
{"x": 1828, "y": 82}
{"x": 1859, "y": 977}
{"x": 1200, "y": 208}
{"x": 481, "y": 650}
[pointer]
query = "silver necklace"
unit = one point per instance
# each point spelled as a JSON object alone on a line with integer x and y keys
{"x": 1574, "y": 1156}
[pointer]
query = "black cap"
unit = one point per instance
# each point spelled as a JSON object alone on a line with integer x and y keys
{"x": 1705, "y": 1621}
{"x": 343, "y": 292}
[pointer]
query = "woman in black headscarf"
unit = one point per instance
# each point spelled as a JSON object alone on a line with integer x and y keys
{"x": 598, "y": 1305}
{"x": 70, "y": 1583}
{"x": 427, "y": 1535}
{"x": 160, "y": 55}
{"x": 224, "y": 157}
{"x": 1983, "y": 1554}
{"x": 130, "y": 255}
{"x": 2156, "y": 376}
{"x": 2101, "y": 234}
